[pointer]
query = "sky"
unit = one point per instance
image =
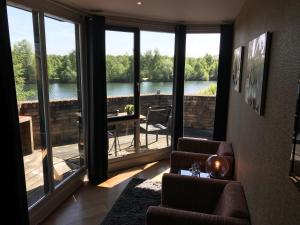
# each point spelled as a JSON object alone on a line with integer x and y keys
{"x": 60, "y": 38}
{"x": 60, "y": 35}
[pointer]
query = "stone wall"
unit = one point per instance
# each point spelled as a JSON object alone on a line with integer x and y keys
{"x": 198, "y": 114}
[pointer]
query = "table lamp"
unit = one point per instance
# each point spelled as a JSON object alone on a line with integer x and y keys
{"x": 217, "y": 166}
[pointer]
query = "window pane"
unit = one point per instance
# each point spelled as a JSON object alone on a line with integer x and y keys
{"x": 119, "y": 73}
{"x": 64, "y": 98}
{"x": 200, "y": 86}
{"x": 23, "y": 53}
{"x": 157, "y": 59}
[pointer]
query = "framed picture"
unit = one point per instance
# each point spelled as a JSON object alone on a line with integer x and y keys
{"x": 237, "y": 68}
{"x": 257, "y": 70}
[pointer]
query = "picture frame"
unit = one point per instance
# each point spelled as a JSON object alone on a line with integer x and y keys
{"x": 256, "y": 72}
{"x": 237, "y": 68}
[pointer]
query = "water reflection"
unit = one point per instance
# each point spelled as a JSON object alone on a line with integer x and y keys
{"x": 69, "y": 91}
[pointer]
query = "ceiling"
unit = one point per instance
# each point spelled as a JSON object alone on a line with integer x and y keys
{"x": 174, "y": 11}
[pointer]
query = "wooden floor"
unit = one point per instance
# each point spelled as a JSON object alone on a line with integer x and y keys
{"x": 90, "y": 204}
{"x": 62, "y": 155}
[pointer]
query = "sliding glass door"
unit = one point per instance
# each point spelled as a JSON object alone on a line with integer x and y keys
{"x": 30, "y": 104}
{"x": 64, "y": 97}
{"x": 46, "y": 64}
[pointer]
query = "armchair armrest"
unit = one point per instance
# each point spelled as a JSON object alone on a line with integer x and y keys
{"x": 166, "y": 216}
{"x": 191, "y": 193}
{"x": 197, "y": 145}
{"x": 184, "y": 160}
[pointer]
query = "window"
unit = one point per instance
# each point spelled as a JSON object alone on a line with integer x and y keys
{"x": 29, "y": 103}
{"x": 200, "y": 86}
{"x": 49, "y": 100}
{"x": 157, "y": 62}
{"x": 64, "y": 98}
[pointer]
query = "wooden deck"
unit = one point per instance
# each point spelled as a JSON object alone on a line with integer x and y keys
{"x": 66, "y": 160}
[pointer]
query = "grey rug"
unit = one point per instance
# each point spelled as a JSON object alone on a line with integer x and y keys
{"x": 131, "y": 206}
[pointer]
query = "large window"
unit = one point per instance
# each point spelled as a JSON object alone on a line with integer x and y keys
{"x": 200, "y": 86}
{"x": 64, "y": 98}
{"x": 49, "y": 100}
{"x": 147, "y": 91}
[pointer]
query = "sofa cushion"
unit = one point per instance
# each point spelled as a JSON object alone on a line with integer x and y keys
{"x": 232, "y": 202}
{"x": 225, "y": 149}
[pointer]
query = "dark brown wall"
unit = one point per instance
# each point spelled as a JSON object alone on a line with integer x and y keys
{"x": 262, "y": 145}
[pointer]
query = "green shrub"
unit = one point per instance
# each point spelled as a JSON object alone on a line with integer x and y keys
{"x": 209, "y": 91}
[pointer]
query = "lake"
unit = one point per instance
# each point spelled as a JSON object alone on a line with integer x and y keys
{"x": 63, "y": 91}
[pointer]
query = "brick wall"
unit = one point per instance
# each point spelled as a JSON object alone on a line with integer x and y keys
{"x": 63, "y": 121}
{"x": 198, "y": 113}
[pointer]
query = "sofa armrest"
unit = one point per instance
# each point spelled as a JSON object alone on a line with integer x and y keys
{"x": 197, "y": 145}
{"x": 191, "y": 193}
{"x": 184, "y": 160}
{"x": 166, "y": 216}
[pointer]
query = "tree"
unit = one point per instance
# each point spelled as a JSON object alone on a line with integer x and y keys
{"x": 65, "y": 72}
{"x": 23, "y": 68}
{"x": 23, "y": 57}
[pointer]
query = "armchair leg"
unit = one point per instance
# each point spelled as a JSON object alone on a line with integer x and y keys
{"x": 156, "y": 136}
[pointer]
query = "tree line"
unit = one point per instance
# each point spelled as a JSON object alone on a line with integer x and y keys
{"x": 153, "y": 67}
{"x": 159, "y": 68}
{"x": 60, "y": 68}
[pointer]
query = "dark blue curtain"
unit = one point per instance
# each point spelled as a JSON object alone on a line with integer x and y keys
{"x": 97, "y": 109}
{"x": 224, "y": 77}
{"x": 178, "y": 84}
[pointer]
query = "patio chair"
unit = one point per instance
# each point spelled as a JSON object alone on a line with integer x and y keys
{"x": 157, "y": 121}
{"x": 113, "y": 133}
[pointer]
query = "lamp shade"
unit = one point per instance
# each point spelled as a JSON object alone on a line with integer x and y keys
{"x": 217, "y": 166}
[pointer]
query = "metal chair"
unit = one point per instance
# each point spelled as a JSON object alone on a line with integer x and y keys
{"x": 157, "y": 120}
{"x": 113, "y": 133}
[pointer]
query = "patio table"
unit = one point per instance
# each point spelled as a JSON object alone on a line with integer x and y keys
{"x": 127, "y": 121}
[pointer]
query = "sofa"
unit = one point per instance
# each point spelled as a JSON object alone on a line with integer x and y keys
{"x": 191, "y": 150}
{"x": 188, "y": 200}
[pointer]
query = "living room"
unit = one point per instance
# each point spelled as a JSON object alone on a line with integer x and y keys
{"x": 73, "y": 178}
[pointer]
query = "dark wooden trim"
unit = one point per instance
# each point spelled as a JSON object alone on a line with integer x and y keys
{"x": 12, "y": 163}
{"x": 122, "y": 29}
{"x": 224, "y": 75}
{"x": 178, "y": 84}
{"x": 98, "y": 143}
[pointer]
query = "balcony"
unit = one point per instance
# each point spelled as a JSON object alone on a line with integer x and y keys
{"x": 66, "y": 157}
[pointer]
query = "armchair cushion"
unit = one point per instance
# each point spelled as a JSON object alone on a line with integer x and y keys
{"x": 225, "y": 149}
{"x": 157, "y": 215}
{"x": 197, "y": 145}
{"x": 196, "y": 149}
{"x": 232, "y": 202}
{"x": 194, "y": 201}
{"x": 191, "y": 193}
